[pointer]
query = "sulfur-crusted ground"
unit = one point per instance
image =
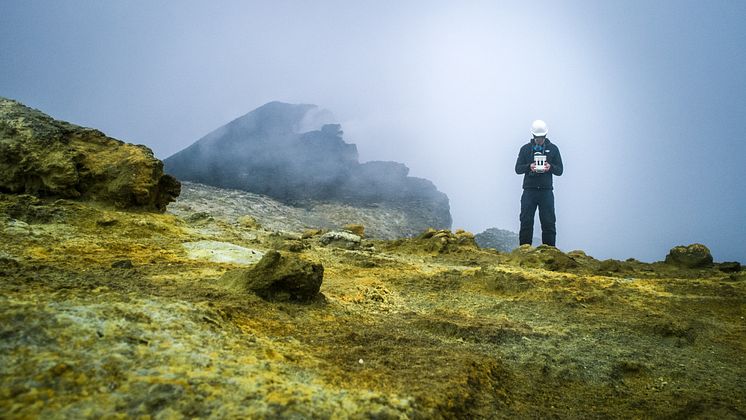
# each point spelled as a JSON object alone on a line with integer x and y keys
{"x": 108, "y": 314}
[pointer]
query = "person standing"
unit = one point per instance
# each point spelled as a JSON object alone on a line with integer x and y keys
{"x": 539, "y": 161}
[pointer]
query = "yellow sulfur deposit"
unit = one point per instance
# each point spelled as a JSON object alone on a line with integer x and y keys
{"x": 109, "y": 313}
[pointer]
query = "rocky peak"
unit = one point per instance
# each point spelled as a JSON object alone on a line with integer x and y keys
{"x": 274, "y": 117}
{"x": 292, "y": 153}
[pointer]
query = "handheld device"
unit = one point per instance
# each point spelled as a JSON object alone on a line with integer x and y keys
{"x": 540, "y": 160}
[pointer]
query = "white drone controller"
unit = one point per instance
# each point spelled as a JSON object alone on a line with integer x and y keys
{"x": 539, "y": 161}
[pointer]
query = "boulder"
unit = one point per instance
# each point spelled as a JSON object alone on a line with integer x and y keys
{"x": 49, "y": 158}
{"x": 691, "y": 256}
{"x": 340, "y": 239}
{"x": 278, "y": 277}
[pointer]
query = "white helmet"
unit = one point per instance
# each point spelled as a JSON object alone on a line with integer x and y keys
{"x": 539, "y": 128}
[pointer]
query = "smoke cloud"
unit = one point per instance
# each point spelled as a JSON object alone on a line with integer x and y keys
{"x": 644, "y": 99}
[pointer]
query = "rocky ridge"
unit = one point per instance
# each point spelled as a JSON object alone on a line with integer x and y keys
{"x": 384, "y": 221}
{"x": 46, "y": 157}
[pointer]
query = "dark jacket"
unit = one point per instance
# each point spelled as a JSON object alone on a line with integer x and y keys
{"x": 533, "y": 180}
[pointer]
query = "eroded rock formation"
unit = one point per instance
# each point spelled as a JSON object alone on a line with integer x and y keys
{"x": 50, "y": 158}
{"x": 691, "y": 256}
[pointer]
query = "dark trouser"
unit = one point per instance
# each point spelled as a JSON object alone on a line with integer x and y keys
{"x": 544, "y": 199}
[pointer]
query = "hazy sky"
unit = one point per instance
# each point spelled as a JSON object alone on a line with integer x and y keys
{"x": 646, "y": 100}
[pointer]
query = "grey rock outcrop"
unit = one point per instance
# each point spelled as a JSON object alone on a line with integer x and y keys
{"x": 499, "y": 239}
{"x": 268, "y": 152}
{"x": 341, "y": 239}
{"x": 199, "y": 202}
{"x": 49, "y": 158}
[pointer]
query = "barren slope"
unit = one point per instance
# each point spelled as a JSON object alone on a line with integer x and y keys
{"x": 418, "y": 328}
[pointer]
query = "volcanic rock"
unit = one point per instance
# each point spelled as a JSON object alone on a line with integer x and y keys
{"x": 202, "y": 204}
{"x": 274, "y": 151}
{"x": 691, "y": 256}
{"x": 499, "y": 239}
{"x": 49, "y": 158}
{"x": 340, "y": 239}
{"x": 279, "y": 277}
